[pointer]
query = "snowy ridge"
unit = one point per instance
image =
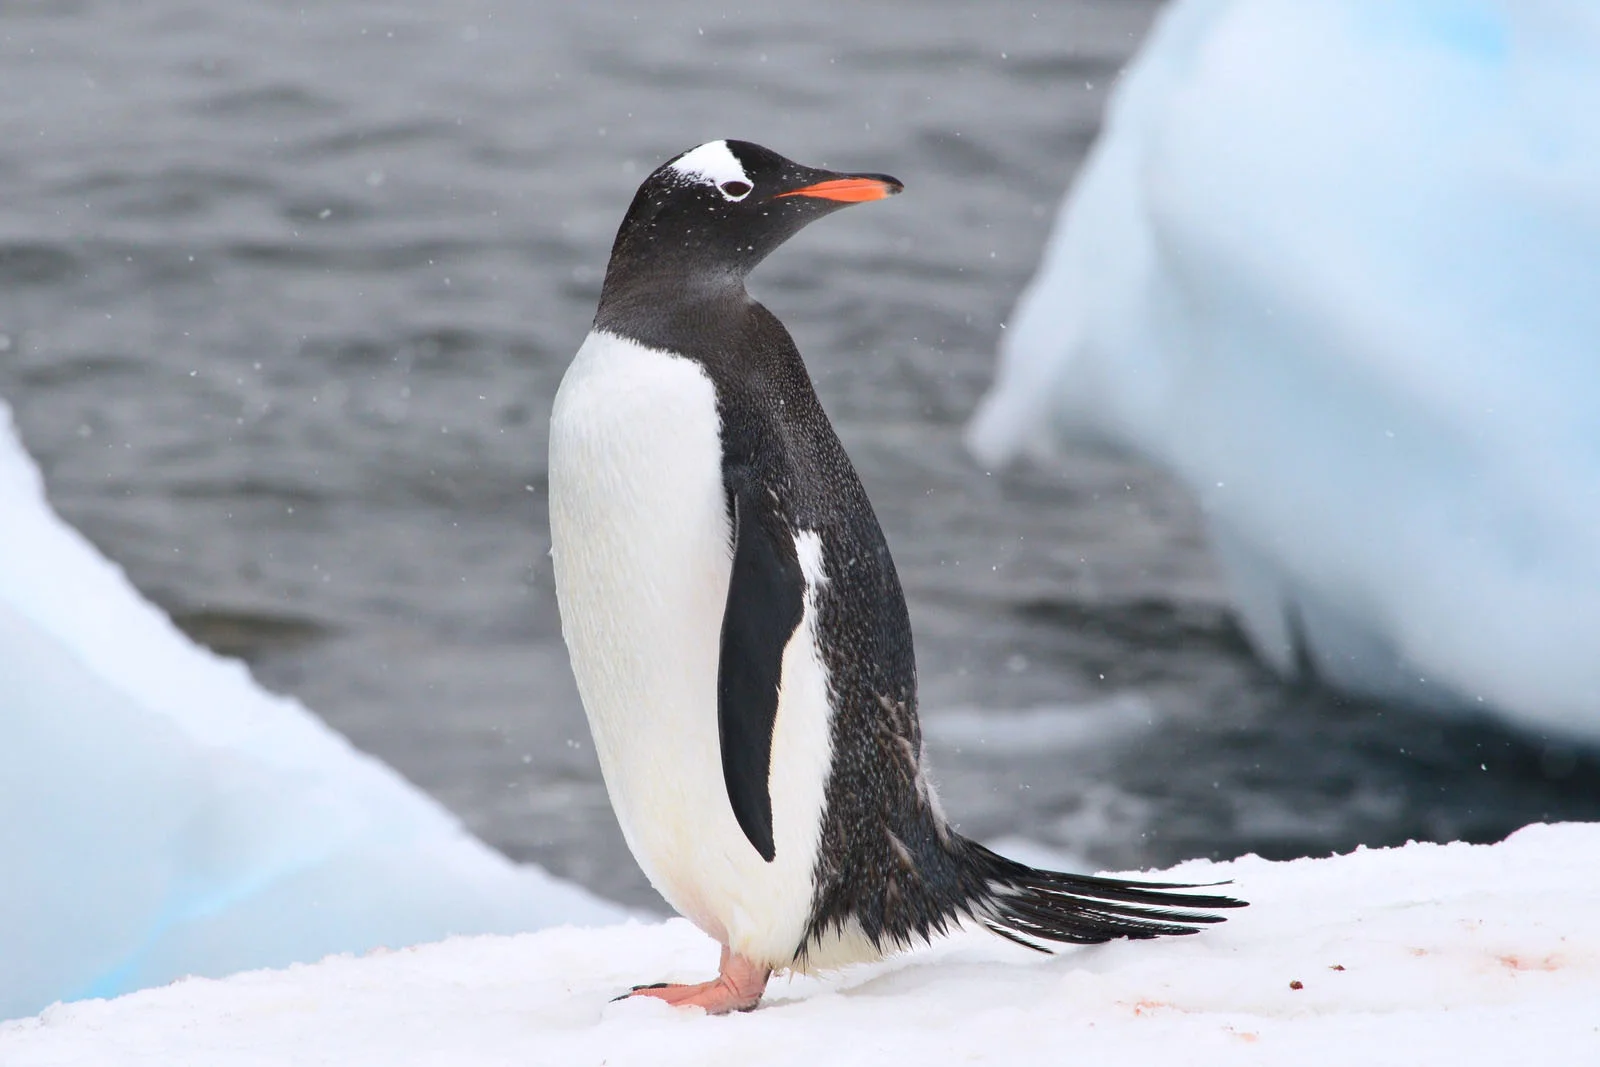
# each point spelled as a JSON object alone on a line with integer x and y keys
{"x": 1430, "y": 954}
{"x": 1333, "y": 264}
{"x": 162, "y": 815}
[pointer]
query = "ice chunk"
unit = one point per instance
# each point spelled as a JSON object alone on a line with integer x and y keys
{"x": 1335, "y": 265}
{"x": 161, "y": 815}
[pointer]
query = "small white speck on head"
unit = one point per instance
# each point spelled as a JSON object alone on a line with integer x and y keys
{"x": 808, "y": 546}
{"x": 715, "y": 164}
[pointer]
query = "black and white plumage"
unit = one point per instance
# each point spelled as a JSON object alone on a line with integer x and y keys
{"x": 736, "y": 626}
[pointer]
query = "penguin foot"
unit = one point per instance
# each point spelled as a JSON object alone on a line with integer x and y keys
{"x": 737, "y": 987}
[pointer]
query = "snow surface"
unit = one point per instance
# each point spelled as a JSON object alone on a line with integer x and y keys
{"x": 1335, "y": 264}
{"x": 1430, "y": 954}
{"x": 162, "y": 815}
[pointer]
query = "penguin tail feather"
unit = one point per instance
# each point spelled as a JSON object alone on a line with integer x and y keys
{"x": 1027, "y": 905}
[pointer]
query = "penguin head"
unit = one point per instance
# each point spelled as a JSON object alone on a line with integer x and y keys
{"x": 714, "y": 212}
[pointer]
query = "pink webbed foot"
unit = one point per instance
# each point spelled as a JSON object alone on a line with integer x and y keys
{"x": 737, "y": 987}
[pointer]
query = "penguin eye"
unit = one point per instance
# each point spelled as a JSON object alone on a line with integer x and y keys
{"x": 735, "y": 190}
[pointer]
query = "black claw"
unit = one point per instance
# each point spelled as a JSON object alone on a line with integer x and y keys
{"x": 635, "y": 989}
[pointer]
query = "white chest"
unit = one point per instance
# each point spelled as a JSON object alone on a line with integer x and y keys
{"x": 642, "y": 559}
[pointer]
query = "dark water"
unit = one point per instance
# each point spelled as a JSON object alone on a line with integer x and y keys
{"x": 285, "y": 292}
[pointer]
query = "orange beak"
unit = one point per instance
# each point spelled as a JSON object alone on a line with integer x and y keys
{"x": 848, "y": 190}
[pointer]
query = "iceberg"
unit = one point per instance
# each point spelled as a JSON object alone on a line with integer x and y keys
{"x": 1427, "y": 954}
{"x": 1334, "y": 264}
{"x": 161, "y": 815}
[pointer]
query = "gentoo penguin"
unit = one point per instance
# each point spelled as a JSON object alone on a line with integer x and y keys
{"x": 736, "y": 627}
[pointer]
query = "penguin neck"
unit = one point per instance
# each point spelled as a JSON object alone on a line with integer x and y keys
{"x": 668, "y": 308}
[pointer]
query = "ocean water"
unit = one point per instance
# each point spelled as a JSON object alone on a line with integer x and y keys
{"x": 285, "y": 293}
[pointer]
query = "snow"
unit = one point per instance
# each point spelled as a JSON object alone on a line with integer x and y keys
{"x": 161, "y": 815}
{"x": 1334, "y": 264}
{"x": 1430, "y": 954}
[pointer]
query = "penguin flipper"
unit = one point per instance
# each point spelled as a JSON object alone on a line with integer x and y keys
{"x": 766, "y": 600}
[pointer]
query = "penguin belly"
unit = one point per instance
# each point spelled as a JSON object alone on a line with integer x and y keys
{"x": 641, "y": 543}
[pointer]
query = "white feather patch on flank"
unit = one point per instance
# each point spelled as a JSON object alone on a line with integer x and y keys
{"x": 802, "y": 733}
{"x": 802, "y": 753}
{"x": 712, "y": 162}
{"x": 808, "y": 546}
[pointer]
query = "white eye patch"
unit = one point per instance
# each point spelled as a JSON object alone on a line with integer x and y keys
{"x": 715, "y": 164}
